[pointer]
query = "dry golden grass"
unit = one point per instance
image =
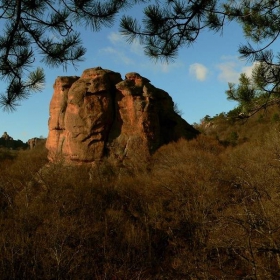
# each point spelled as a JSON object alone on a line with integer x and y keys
{"x": 196, "y": 210}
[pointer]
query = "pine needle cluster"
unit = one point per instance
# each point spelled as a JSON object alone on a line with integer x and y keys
{"x": 36, "y": 32}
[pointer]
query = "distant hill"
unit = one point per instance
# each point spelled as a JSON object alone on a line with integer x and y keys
{"x": 6, "y": 141}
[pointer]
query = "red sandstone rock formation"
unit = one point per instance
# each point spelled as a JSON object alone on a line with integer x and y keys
{"x": 100, "y": 114}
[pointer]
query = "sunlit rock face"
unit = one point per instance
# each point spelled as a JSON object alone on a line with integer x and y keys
{"x": 33, "y": 142}
{"x": 99, "y": 114}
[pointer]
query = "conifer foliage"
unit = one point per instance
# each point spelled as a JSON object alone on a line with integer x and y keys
{"x": 169, "y": 25}
{"x": 36, "y": 32}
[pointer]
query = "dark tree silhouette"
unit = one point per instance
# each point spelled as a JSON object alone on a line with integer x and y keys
{"x": 169, "y": 25}
{"x": 46, "y": 30}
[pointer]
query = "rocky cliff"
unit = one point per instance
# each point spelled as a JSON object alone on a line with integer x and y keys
{"x": 6, "y": 141}
{"x": 33, "y": 142}
{"x": 99, "y": 114}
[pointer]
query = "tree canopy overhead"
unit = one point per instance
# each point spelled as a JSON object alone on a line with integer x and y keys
{"x": 36, "y": 31}
{"x": 45, "y": 32}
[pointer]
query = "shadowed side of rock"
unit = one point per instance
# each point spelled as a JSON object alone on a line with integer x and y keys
{"x": 145, "y": 119}
{"x": 99, "y": 114}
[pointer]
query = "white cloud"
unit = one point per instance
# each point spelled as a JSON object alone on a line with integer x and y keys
{"x": 133, "y": 54}
{"x": 115, "y": 38}
{"x": 118, "y": 55}
{"x": 248, "y": 69}
{"x": 166, "y": 67}
{"x": 228, "y": 72}
{"x": 199, "y": 71}
{"x": 136, "y": 47}
{"x": 162, "y": 67}
{"x": 118, "y": 40}
{"x": 231, "y": 69}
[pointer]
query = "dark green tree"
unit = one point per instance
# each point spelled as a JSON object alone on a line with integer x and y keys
{"x": 47, "y": 30}
{"x": 245, "y": 93}
{"x": 254, "y": 93}
{"x": 168, "y": 25}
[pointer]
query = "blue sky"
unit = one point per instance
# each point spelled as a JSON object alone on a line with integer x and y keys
{"x": 196, "y": 80}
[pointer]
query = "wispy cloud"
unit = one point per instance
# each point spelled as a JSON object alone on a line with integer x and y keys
{"x": 118, "y": 40}
{"x": 161, "y": 66}
{"x": 118, "y": 55}
{"x": 133, "y": 54}
{"x": 231, "y": 69}
{"x": 115, "y": 38}
{"x": 249, "y": 69}
{"x": 199, "y": 71}
{"x": 228, "y": 72}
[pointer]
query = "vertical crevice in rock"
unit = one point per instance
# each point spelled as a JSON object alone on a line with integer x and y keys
{"x": 58, "y": 106}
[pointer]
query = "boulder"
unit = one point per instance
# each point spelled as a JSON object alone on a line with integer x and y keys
{"x": 99, "y": 114}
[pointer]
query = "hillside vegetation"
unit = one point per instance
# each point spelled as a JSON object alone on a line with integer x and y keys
{"x": 233, "y": 128}
{"x": 202, "y": 209}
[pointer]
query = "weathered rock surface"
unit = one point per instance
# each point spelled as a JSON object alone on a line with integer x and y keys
{"x": 33, "y": 142}
{"x": 6, "y": 136}
{"x": 100, "y": 114}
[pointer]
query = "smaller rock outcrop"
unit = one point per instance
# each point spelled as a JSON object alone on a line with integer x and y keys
{"x": 7, "y": 141}
{"x": 35, "y": 142}
{"x": 6, "y": 137}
